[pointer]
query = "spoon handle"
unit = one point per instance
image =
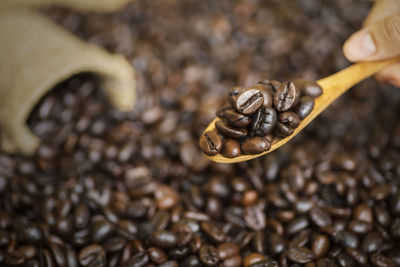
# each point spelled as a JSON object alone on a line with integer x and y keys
{"x": 337, "y": 84}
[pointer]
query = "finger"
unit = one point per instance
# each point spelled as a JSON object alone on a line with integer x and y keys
{"x": 380, "y": 40}
{"x": 382, "y": 9}
{"x": 390, "y": 75}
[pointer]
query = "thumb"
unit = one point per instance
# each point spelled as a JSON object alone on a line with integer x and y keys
{"x": 377, "y": 41}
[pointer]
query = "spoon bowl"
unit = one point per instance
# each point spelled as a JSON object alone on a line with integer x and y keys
{"x": 333, "y": 86}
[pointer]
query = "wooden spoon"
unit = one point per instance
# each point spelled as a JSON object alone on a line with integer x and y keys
{"x": 333, "y": 86}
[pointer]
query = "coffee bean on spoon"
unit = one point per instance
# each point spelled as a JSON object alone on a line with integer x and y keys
{"x": 230, "y": 148}
{"x": 249, "y": 101}
{"x": 289, "y": 118}
{"x": 286, "y": 97}
{"x": 229, "y": 131}
{"x": 210, "y": 143}
{"x": 264, "y": 121}
{"x": 283, "y": 130}
{"x": 309, "y": 88}
{"x": 220, "y": 112}
{"x": 255, "y": 145}
{"x": 235, "y": 118}
{"x": 267, "y": 93}
{"x": 305, "y": 106}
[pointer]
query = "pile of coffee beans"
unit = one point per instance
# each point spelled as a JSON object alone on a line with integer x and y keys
{"x": 108, "y": 188}
{"x": 255, "y": 115}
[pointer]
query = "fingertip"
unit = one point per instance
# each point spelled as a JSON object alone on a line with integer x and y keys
{"x": 359, "y": 46}
{"x": 390, "y": 75}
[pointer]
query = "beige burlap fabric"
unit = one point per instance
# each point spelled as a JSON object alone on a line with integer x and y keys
{"x": 36, "y": 54}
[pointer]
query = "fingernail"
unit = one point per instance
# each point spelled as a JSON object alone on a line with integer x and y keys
{"x": 360, "y": 46}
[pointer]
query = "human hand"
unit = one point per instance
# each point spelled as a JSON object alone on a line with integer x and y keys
{"x": 378, "y": 39}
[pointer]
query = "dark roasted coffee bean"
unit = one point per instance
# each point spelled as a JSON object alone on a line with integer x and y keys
{"x": 347, "y": 239}
{"x": 297, "y": 225}
{"x": 14, "y": 259}
{"x": 283, "y": 130}
{"x": 209, "y": 255}
{"x": 58, "y": 253}
{"x": 231, "y": 148}
{"x": 309, "y": 88}
{"x": 255, "y": 145}
{"x": 252, "y": 258}
{"x": 72, "y": 258}
{"x": 320, "y": 246}
{"x": 249, "y": 101}
{"x": 179, "y": 253}
{"x": 101, "y": 230}
{"x": 267, "y": 93}
{"x": 140, "y": 259}
{"x": 81, "y": 216}
{"x": 327, "y": 262}
{"x": 275, "y": 243}
{"x": 359, "y": 227}
{"x": 127, "y": 229}
{"x": 235, "y": 118}
{"x": 379, "y": 260}
{"x": 92, "y": 255}
{"x": 300, "y": 254}
{"x": 286, "y": 97}
{"x": 372, "y": 242}
{"x": 265, "y": 263}
{"x": 363, "y": 212}
{"x": 114, "y": 244}
{"x": 157, "y": 255}
{"x": 228, "y": 249}
{"x": 345, "y": 260}
{"x": 210, "y": 143}
{"x": 213, "y": 231}
{"x": 289, "y": 118}
{"x": 163, "y": 239}
{"x": 320, "y": 217}
{"x": 305, "y": 106}
{"x": 233, "y": 261}
{"x": 228, "y": 131}
{"x": 28, "y": 251}
{"x": 192, "y": 261}
{"x": 264, "y": 121}
{"x": 255, "y": 218}
{"x": 358, "y": 255}
{"x": 183, "y": 233}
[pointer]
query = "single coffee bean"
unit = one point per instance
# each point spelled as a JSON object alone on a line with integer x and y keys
{"x": 228, "y": 131}
{"x": 169, "y": 264}
{"x": 289, "y": 118}
{"x": 255, "y": 217}
{"x": 101, "y": 230}
{"x": 252, "y": 258}
{"x": 320, "y": 217}
{"x": 372, "y": 242}
{"x": 92, "y": 255}
{"x": 192, "y": 261}
{"x": 347, "y": 239}
{"x": 209, "y": 255}
{"x": 233, "y": 261}
{"x": 81, "y": 216}
{"x": 228, "y": 249}
{"x": 163, "y": 239}
{"x": 363, "y": 212}
{"x": 249, "y": 101}
{"x": 300, "y": 254}
{"x": 320, "y": 246}
{"x": 230, "y": 148}
{"x": 305, "y": 106}
{"x": 157, "y": 255}
{"x": 264, "y": 121}
{"x": 345, "y": 260}
{"x": 210, "y": 143}
{"x": 283, "y": 130}
{"x": 255, "y": 145}
{"x": 236, "y": 119}
{"x": 265, "y": 263}
{"x": 286, "y": 97}
{"x": 297, "y": 225}
{"x": 213, "y": 231}
{"x": 114, "y": 244}
{"x": 309, "y": 88}
{"x": 267, "y": 93}
{"x": 220, "y": 112}
{"x": 275, "y": 243}
{"x": 183, "y": 233}
{"x": 358, "y": 255}
{"x": 58, "y": 253}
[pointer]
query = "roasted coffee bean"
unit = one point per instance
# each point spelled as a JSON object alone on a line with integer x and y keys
{"x": 267, "y": 93}
{"x": 114, "y": 244}
{"x": 228, "y": 249}
{"x": 163, "y": 239}
{"x": 358, "y": 255}
{"x": 81, "y": 216}
{"x": 286, "y": 97}
{"x": 320, "y": 217}
{"x": 255, "y": 145}
{"x": 58, "y": 253}
{"x": 213, "y": 231}
{"x": 305, "y": 106}
{"x": 157, "y": 255}
{"x": 255, "y": 217}
{"x": 289, "y": 118}
{"x": 233, "y": 94}
{"x": 372, "y": 242}
{"x": 320, "y": 246}
{"x": 169, "y": 264}
{"x": 233, "y": 261}
{"x": 231, "y": 148}
{"x": 210, "y": 143}
{"x": 252, "y": 258}
{"x": 228, "y": 131}
{"x": 363, "y": 212}
{"x": 192, "y": 261}
{"x": 92, "y": 255}
{"x": 235, "y": 118}
{"x": 309, "y": 88}
{"x": 283, "y": 130}
{"x": 275, "y": 243}
{"x": 249, "y": 101}
{"x": 179, "y": 253}
{"x": 209, "y": 255}
{"x": 265, "y": 263}
{"x": 183, "y": 233}
{"x": 359, "y": 227}
{"x": 297, "y": 225}
{"x": 300, "y": 254}
{"x": 347, "y": 239}
{"x": 379, "y": 260}
{"x": 327, "y": 262}
{"x": 264, "y": 121}
{"x": 101, "y": 230}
